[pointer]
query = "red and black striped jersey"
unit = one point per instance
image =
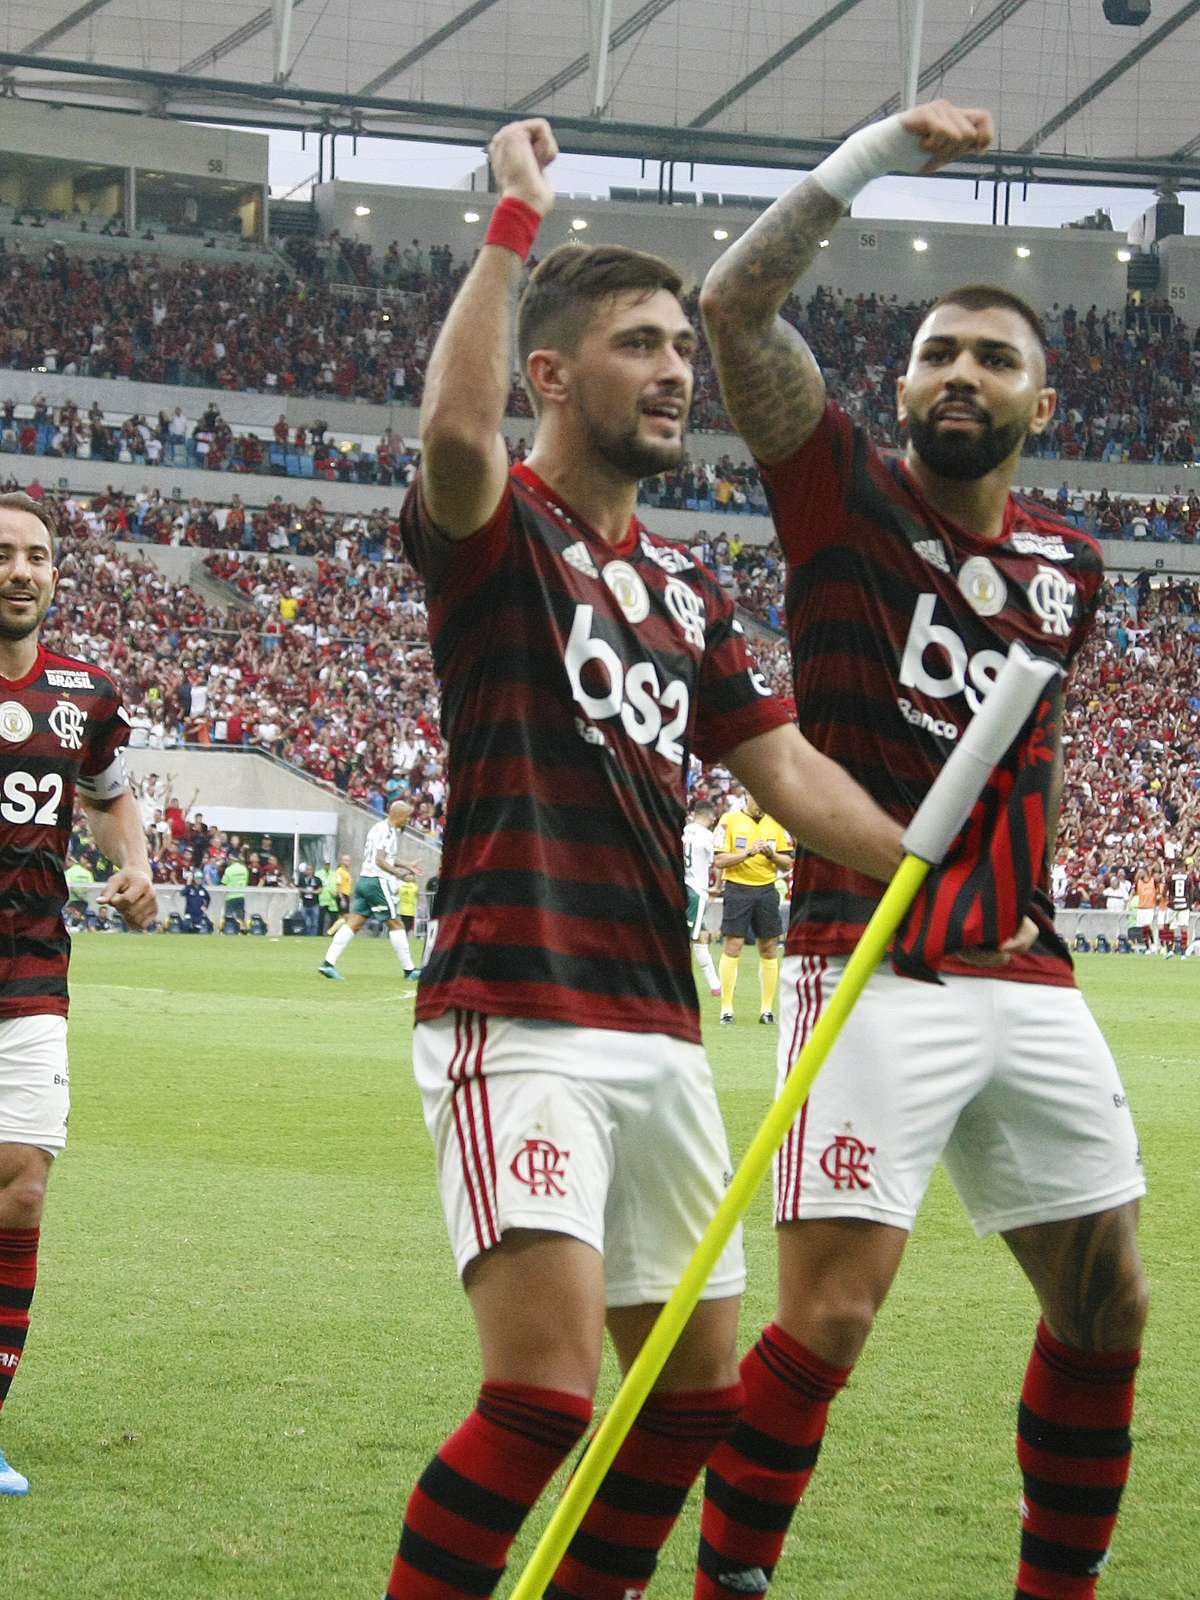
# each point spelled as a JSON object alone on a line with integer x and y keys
{"x": 899, "y": 622}
{"x": 61, "y": 727}
{"x": 577, "y": 679}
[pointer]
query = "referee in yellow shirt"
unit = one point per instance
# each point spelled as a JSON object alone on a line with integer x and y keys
{"x": 752, "y": 849}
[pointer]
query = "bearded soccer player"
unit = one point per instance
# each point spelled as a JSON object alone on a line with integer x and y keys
{"x": 582, "y": 660}
{"x": 907, "y": 582}
{"x": 62, "y": 729}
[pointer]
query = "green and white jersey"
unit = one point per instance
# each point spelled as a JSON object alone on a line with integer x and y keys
{"x": 699, "y": 847}
{"x": 383, "y": 839}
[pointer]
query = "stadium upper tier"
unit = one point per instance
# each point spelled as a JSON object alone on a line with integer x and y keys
{"x": 1125, "y": 382}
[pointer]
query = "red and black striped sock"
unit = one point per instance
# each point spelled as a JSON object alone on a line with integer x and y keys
{"x": 615, "y": 1552}
{"x": 756, "y": 1478}
{"x": 18, "y": 1275}
{"x": 477, "y": 1491}
{"x": 1073, "y": 1446}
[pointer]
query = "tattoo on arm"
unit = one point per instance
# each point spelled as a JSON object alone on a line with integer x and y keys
{"x": 770, "y": 379}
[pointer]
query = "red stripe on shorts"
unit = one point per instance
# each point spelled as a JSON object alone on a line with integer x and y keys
{"x": 485, "y": 1167}
{"x": 461, "y": 1048}
{"x": 808, "y": 1010}
{"x": 468, "y": 1076}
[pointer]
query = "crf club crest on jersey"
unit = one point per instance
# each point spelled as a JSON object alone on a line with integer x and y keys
{"x": 62, "y": 727}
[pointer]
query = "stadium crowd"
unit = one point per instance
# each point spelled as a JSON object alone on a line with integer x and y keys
{"x": 1127, "y": 389}
{"x": 329, "y": 669}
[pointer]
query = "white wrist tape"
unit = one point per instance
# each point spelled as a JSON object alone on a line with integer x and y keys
{"x": 872, "y": 152}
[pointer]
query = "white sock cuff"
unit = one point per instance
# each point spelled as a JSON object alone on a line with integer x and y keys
{"x": 872, "y": 152}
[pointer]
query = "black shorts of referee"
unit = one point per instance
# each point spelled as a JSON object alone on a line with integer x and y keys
{"x": 751, "y": 911}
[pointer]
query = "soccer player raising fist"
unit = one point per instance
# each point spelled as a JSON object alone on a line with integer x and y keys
{"x": 907, "y": 582}
{"x": 557, "y": 1044}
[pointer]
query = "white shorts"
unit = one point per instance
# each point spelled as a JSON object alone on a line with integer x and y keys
{"x": 1147, "y": 917}
{"x": 35, "y": 1083}
{"x": 1179, "y": 920}
{"x": 1011, "y": 1084}
{"x": 614, "y": 1138}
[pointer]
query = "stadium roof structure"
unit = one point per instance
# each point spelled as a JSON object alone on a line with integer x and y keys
{"x": 755, "y": 82}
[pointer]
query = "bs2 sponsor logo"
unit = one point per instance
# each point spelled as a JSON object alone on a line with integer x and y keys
{"x": 936, "y": 663}
{"x": 651, "y": 712}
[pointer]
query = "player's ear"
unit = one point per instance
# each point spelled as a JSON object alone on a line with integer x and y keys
{"x": 901, "y": 408}
{"x": 1043, "y": 411}
{"x": 547, "y": 375}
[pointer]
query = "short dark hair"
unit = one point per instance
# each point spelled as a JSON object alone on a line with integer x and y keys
{"x": 565, "y": 289}
{"x": 984, "y": 296}
{"x": 43, "y": 510}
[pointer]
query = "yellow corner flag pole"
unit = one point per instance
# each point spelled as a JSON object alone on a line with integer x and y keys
{"x": 941, "y": 815}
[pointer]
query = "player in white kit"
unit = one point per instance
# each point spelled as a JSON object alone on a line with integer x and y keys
{"x": 375, "y": 893}
{"x": 699, "y": 847}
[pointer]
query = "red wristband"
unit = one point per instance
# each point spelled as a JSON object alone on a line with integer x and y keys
{"x": 514, "y": 226}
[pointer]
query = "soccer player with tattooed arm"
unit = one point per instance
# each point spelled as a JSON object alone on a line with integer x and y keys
{"x": 907, "y": 581}
{"x": 62, "y": 730}
{"x": 582, "y": 661}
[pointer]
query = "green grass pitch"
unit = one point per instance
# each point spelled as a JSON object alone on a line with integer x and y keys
{"x": 248, "y": 1336}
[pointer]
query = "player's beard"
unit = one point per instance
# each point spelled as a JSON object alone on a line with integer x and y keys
{"x": 963, "y": 456}
{"x": 631, "y": 455}
{"x": 14, "y": 632}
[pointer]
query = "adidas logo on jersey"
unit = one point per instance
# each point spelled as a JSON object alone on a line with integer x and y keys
{"x": 933, "y": 551}
{"x": 578, "y": 555}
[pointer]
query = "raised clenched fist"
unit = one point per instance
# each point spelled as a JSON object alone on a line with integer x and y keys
{"x": 520, "y": 153}
{"x": 948, "y": 131}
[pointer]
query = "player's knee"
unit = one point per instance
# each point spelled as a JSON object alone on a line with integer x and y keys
{"x": 1134, "y": 1305}
{"x": 1117, "y": 1318}
{"x": 23, "y": 1197}
{"x": 834, "y": 1321}
{"x": 1106, "y": 1311}
{"x": 706, "y": 1356}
